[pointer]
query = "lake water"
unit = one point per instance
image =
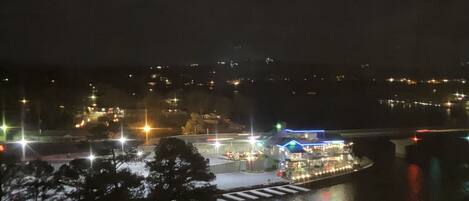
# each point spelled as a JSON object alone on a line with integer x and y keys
{"x": 400, "y": 181}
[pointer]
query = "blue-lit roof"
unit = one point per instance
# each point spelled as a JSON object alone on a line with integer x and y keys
{"x": 287, "y": 142}
{"x": 294, "y": 147}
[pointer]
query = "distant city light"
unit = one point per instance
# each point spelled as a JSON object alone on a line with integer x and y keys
{"x": 23, "y": 142}
{"x": 24, "y": 101}
{"x": 415, "y": 139}
{"x": 449, "y": 104}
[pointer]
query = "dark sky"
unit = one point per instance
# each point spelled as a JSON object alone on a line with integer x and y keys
{"x": 391, "y": 33}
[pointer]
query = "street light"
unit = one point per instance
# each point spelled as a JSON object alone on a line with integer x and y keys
{"x": 139, "y": 153}
{"x": 278, "y": 126}
{"x": 146, "y": 128}
{"x": 252, "y": 140}
{"x": 122, "y": 139}
{"x": 91, "y": 157}
{"x": 4, "y": 128}
{"x": 217, "y": 145}
{"x": 23, "y": 142}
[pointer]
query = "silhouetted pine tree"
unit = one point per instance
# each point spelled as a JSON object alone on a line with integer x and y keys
{"x": 34, "y": 181}
{"x": 179, "y": 172}
{"x": 8, "y": 168}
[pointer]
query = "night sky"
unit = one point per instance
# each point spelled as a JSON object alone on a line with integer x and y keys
{"x": 386, "y": 34}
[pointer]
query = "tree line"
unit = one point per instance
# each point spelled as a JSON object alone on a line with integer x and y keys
{"x": 176, "y": 172}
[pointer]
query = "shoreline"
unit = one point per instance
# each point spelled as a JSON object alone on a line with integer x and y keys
{"x": 368, "y": 164}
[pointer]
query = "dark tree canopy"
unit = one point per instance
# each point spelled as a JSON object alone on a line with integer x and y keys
{"x": 104, "y": 180}
{"x": 34, "y": 181}
{"x": 180, "y": 172}
{"x": 7, "y": 169}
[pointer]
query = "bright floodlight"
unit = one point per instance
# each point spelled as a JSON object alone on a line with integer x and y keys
{"x": 252, "y": 140}
{"x": 91, "y": 157}
{"x": 217, "y": 144}
{"x": 4, "y": 127}
{"x": 146, "y": 128}
{"x": 139, "y": 153}
{"x": 122, "y": 140}
{"x": 23, "y": 142}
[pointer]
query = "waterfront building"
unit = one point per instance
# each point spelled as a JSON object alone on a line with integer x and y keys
{"x": 303, "y": 154}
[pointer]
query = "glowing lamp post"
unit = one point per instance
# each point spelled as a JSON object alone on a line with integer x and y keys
{"x": 91, "y": 157}
{"x": 252, "y": 140}
{"x": 4, "y": 128}
{"x": 217, "y": 145}
{"x": 278, "y": 126}
{"x": 122, "y": 140}
{"x": 23, "y": 142}
{"x": 146, "y": 129}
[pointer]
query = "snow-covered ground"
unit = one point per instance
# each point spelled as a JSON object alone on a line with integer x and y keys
{"x": 233, "y": 180}
{"x": 137, "y": 167}
{"x": 224, "y": 181}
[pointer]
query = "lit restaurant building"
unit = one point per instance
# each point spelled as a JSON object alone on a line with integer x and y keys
{"x": 308, "y": 154}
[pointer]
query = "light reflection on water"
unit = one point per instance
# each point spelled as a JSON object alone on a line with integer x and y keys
{"x": 398, "y": 182}
{"x": 339, "y": 192}
{"x": 414, "y": 179}
{"x": 434, "y": 179}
